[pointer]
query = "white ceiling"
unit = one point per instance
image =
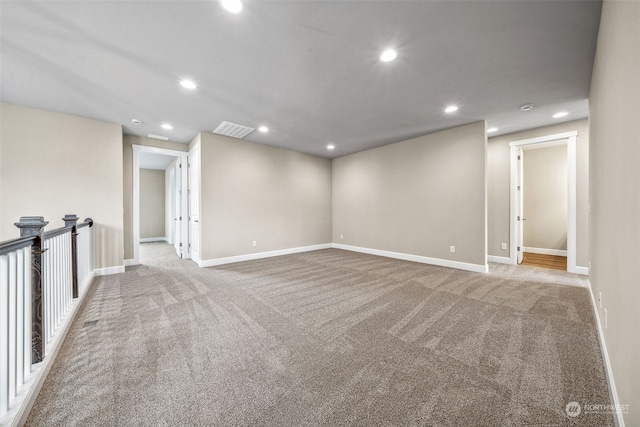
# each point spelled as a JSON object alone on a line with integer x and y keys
{"x": 308, "y": 70}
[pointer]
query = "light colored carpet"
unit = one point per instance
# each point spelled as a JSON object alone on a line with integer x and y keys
{"x": 326, "y": 338}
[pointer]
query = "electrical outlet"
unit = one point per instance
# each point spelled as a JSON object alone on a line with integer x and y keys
{"x": 452, "y": 249}
{"x": 254, "y": 243}
{"x": 341, "y": 236}
{"x": 606, "y": 321}
{"x": 600, "y": 299}
{"x": 504, "y": 246}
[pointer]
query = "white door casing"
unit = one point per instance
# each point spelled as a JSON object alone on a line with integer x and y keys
{"x": 177, "y": 208}
{"x": 183, "y": 233}
{"x": 520, "y": 215}
{"x": 194, "y": 203}
{"x": 515, "y": 205}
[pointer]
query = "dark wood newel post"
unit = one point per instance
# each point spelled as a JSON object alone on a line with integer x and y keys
{"x": 72, "y": 220}
{"x": 34, "y": 226}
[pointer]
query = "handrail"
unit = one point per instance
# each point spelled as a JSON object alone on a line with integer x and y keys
{"x": 15, "y": 244}
{"x": 43, "y": 275}
{"x": 57, "y": 232}
{"x": 88, "y": 222}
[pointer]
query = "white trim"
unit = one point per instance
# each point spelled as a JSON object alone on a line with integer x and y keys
{"x": 260, "y": 255}
{"x": 153, "y": 239}
{"x": 499, "y": 259}
{"x": 544, "y": 251}
{"x": 23, "y": 403}
{"x": 581, "y": 270}
{"x": 564, "y": 135}
{"x": 613, "y": 392}
{"x": 130, "y": 262}
{"x": 571, "y": 192}
{"x": 416, "y": 258}
{"x": 107, "y": 271}
{"x": 572, "y": 228}
{"x": 137, "y": 149}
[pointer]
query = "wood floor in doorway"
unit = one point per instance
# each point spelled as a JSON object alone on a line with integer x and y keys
{"x": 545, "y": 261}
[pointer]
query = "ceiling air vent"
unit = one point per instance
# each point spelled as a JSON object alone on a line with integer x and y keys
{"x": 233, "y": 130}
{"x": 164, "y": 138}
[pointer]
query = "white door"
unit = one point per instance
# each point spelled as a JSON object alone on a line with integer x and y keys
{"x": 520, "y": 252}
{"x": 177, "y": 209}
{"x": 194, "y": 203}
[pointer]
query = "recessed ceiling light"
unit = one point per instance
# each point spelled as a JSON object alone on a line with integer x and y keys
{"x": 560, "y": 114}
{"x": 451, "y": 109}
{"x": 526, "y": 107}
{"x": 330, "y": 147}
{"x": 187, "y": 84}
{"x": 232, "y": 6}
{"x": 166, "y": 126}
{"x": 136, "y": 121}
{"x": 263, "y": 129}
{"x": 388, "y": 55}
{"x": 490, "y": 130}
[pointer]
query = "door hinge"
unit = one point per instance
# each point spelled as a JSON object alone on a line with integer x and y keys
{"x": 518, "y": 218}
{"x": 518, "y": 248}
{"x": 518, "y": 188}
{"x": 518, "y": 157}
{"x": 180, "y": 244}
{"x": 180, "y": 164}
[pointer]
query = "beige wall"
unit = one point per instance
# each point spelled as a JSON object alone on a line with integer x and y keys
{"x": 152, "y": 203}
{"x": 279, "y": 198}
{"x": 55, "y": 164}
{"x": 545, "y": 197}
{"x": 615, "y": 193}
{"x": 127, "y": 155}
{"x": 416, "y": 197}
{"x": 498, "y": 186}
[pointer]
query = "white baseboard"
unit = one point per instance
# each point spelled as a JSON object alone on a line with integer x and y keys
{"x": 615, "y": 400}
{"x": 581, "y": 270}
{"x": 109, "y": 270}
{"x": 130, "y": 262}
{"x": 22, "y": 404}
{"x": 543, "y": 251}
{"x": 416, "y": 258}
{"x": 500, "y": 259}
{"x": 259, "y": 255}
{"x": 153, "y": 239}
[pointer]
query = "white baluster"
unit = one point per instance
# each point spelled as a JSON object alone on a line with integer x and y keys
{"x": 12, "y": 324}
{"x": 27, "y": 311}
{"x": 4, "y": 325}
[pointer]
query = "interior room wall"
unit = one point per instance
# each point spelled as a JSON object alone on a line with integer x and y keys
{"x": 55, "y": 164}
{"x": 545, "y": 198}
{"x": 498, "y": 181}
{"x": 416, "y": 197}
{"x": 152, "y": 204}
{"x": 615, "y": 194}
{"x": 127, "y": 158}
{"x": 251, "y": 192}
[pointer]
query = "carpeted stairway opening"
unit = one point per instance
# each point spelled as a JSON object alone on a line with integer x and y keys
{"x": 329, "y": 338}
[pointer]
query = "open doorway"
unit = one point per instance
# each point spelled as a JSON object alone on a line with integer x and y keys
{"x": 544, "y": 194}
{"x": 518, "y": 217}
{"x": 155, "y": 171}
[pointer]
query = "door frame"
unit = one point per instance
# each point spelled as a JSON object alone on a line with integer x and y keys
{"x": 184, "y": 237}
{"x": 514, "y": 227}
